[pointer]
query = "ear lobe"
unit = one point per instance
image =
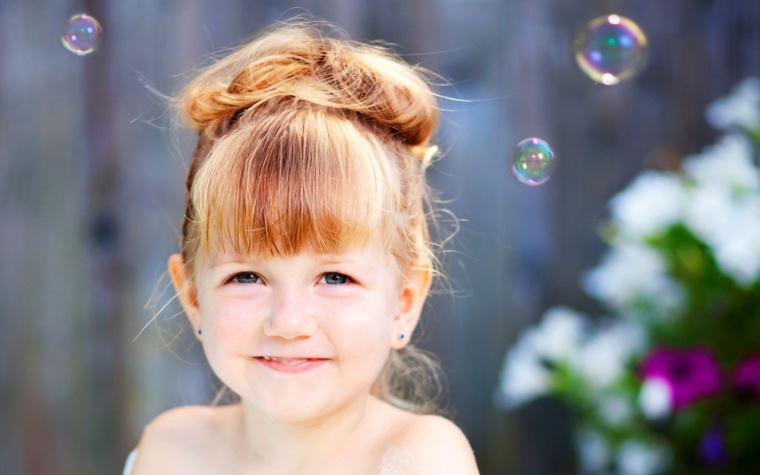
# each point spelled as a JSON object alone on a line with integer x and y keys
{"x": 412, "y": 298}
{"x": 186, "y": 292}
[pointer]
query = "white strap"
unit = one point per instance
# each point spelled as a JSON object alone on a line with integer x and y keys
{"x": 130, "y": 462}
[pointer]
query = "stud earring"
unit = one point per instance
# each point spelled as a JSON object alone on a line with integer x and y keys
{"x": 200, "y": 332}
{"x": 401, "y": 336}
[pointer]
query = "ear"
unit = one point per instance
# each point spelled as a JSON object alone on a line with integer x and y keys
{"x": 186, "y": 291}
{"x": 413, "y": 292}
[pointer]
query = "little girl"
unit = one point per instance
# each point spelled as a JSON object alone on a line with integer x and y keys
{"x": 305, "y": 262}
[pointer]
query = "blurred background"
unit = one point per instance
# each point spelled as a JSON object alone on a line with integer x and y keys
{"x": 92, "y": 177}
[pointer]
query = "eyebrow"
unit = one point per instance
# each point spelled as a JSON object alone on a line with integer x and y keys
{"x": 331, "y": 259}
{"x": 227, "y": 259}
{"x": 323, "y": 259}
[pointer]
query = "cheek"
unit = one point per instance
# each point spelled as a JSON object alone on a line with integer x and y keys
{"x": 227, "y": 335}
{"x": 363, "y": 329}
{"x": 231, "y": 323}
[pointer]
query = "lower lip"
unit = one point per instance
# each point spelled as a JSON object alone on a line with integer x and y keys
{"x": 300, "y": 367}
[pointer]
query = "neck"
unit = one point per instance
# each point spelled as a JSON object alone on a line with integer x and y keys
{"x": 291, "y": 446}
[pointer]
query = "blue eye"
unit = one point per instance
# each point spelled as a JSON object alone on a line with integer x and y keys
{"x": 245, "y": 278}
{"x": 334, "y": 278}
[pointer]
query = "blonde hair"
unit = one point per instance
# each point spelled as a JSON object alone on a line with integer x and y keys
{"x": 312, "y": 142}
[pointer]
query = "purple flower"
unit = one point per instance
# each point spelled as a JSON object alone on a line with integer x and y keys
{"x": 712, "y": 447}
{"x": 691, "y": 374}
{"x": 746, "y": 378}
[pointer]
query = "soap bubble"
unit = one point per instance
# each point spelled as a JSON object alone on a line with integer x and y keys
{"x": 82, "y": 34}
{"x": 611, "y": 48}
{"x": 532, "y": 161}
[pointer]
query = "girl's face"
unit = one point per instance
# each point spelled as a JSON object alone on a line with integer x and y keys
{"x": 299, "y": 337}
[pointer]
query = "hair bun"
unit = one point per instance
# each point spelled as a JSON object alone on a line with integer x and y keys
{"x": 295, "y": 62}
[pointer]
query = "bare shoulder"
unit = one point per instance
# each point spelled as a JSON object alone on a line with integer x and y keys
{"x": 438, "y": 447}
{"x": 175, "y": 438}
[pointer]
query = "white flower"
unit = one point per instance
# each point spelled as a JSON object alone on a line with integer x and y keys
{"x": 739, "y": 109}
{"x": 630, "y": 271}
{"x": 730, "y": 225}
{"x": 649, "y": 205}
{"x": 594, "y": 453}
{"x": 728, "y": 163}
{"x": 655, "y": 399}
{"x": 615, "y": 410}
{"x": 719, "y": 213}
{"x": 737, "y": 246}
{"x": 523, "y": 377}
{"x": 708, "y": 211}
{"x": 637, "y": 458}
{"x": 602, "y": 359}
{"x": 558, "y": 335}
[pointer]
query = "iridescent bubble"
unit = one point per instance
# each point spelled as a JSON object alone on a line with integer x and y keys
{"x": 532, "y": 161}
{"x": 611, "y": 48}
{"x": 82, "y": 34}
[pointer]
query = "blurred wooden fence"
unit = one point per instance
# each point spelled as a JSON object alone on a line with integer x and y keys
{"x": 91, "y": 196}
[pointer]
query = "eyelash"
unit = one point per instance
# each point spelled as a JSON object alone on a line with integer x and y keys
{"x": 347, "y": 279}
{"x": 252, "y": 276}
{"x": 235, "y": 279}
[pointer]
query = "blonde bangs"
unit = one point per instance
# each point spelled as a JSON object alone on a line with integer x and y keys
{"x": 301, "y": 179}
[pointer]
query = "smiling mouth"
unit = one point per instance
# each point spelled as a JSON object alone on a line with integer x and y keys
{"x": 293, "y": 365}
{"x": 289, "y": 361}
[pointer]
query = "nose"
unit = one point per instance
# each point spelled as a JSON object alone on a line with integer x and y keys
{"x": 290, "y": 316}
